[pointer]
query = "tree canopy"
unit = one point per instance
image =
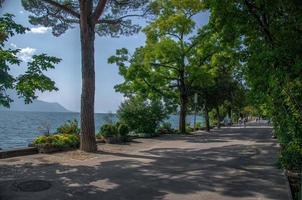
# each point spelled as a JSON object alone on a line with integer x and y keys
{"x": 163, "y": 66}
{"x": 111, "y": 17}
{"x": 33, "y": 79}
{"x": 270, "y": 45}
{"x": 104, "y": 17}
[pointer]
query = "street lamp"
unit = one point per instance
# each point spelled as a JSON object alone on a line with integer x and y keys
{"x": 195, "y": 108}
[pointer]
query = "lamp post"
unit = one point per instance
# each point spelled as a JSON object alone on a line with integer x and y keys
{"x": 195, "y": 108}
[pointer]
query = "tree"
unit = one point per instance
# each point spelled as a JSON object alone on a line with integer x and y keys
{"x": 163, "y": 65}
{"x": 213, "y": 73}
{"x": 271, "y": 57}
{"x": 33, "y": 79}
{"x": 104, "y": 17}
{"x": 142, "y": 115}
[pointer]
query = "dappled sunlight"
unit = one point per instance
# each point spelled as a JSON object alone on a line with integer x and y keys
{"x": 231, "y": 171}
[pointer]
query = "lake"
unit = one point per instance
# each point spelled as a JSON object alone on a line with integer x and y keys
{"x": 18, "y": 129}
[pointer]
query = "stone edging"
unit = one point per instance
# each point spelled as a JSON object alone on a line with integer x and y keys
{"x": 289, "y": 191}
{"x": 18, "y": 152}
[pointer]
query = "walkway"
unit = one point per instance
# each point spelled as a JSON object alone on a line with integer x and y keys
{"x": 227, "y": 164}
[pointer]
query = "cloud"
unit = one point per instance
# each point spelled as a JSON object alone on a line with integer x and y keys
{"x": 21, "y": 11}
{"x": 39, "y": 30}
{"x": 25, "y": 54}
{"x": 13, "y": 45}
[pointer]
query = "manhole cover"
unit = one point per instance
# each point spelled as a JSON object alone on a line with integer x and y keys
{"x": 31, "y": 186}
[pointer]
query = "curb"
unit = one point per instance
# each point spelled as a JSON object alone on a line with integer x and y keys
{"x": 18, "y": 152}
{"x": 289, "y": 191}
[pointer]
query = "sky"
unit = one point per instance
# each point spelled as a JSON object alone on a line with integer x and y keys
{"x": 67, "y": 73}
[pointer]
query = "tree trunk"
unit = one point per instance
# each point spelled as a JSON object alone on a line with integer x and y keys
{"x": 230, "y": 115}
{"x": 88, "y": 142}
{"x": 183, "y": 113}
{"x": 207, "y": 120}
{"x": 218, "y": 117}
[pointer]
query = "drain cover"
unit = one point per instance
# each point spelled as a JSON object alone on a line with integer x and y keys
{"x": 31, "y": 186}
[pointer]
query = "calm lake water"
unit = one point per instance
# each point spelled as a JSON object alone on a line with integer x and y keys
{"x": 18, "y": 129}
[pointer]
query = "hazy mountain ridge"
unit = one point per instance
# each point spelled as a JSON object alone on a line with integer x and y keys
{"x": 35, "y": 106}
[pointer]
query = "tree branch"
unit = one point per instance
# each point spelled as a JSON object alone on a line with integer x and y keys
{"x": 164, "y": 65}
{"x": 99, "y": 10}
{"x": 263, "y": 24}
{"x": 151, "y": 86}
{"x": 118, "y": 20}
{"x": 62, "y": 7}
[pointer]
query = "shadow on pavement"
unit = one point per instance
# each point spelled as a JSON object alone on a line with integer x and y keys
{"x": 231, "y": 171}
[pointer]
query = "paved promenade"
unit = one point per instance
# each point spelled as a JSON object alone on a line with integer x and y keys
{"x": 226, "y": 164}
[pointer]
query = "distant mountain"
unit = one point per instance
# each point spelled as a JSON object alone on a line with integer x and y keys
{"x": 35, "y": 106}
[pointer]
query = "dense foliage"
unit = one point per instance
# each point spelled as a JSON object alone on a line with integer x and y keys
{"x": 58, "y": 140}
{"x": 67, "y": 136}
{"x": 268, "y": 36}
{"x": 270, "y": 45}
{"x": 142, "y": 116}
{"x": 108, "y": 130}
{"x": 162, "y": 67}
{"x": 70, "y": 127}
{"x": 114, "y": 133}
{"x": 33, "y": 79}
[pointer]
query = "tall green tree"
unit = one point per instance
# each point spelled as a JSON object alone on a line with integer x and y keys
{"x": 213, "y": 72}
{"x": 104, "y": 17}
{"x": 33, "y": 79}
{"x": 163, "y": 65}
{"x": 271, "y": 39}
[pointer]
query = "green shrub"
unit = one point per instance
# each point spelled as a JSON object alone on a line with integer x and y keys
{"x": 58, "y": 140}
{"x": 117, "y": 124}
{"x": 291, "y": 156}
{"x": 166, "y": 125}
{"x": 69, "y": 127}
{"x": 108, "y": 130}
{"x": 189, "y": 129}
{"x": 198, "y": 125}
{"x": 166, "y": 128}
{"x": 123, "y": 130}
{"x": 141, "y": 115}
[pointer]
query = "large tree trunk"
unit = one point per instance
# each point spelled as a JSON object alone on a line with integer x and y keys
{"x": 183, "y": 103}
{"x": 218, "y": 117}
{"x": 183, "y": 113}
{"x": 207, "y": 119}
{"x": 88, "y": 142}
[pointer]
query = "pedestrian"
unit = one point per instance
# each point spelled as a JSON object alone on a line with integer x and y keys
{"x": 240, "y": 121}
{"x": 244, "y": 122}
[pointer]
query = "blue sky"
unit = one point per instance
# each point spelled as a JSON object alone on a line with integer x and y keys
{"x": 67, "y": 74}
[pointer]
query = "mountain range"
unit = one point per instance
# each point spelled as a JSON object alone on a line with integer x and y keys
{"x": 35, "y": 106}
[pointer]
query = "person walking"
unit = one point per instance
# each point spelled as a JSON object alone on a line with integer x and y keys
{"x": 244, "y": 122}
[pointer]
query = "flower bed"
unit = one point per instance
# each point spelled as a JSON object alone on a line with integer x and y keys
{"x": 56, "y": 142}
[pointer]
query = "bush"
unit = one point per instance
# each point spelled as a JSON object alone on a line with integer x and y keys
{"x": 123, "y": 130}
{"x": 142, "y": 116}
{"x": 113, "y": 133}
{"x": 108, "y": 130}
{"x": 166, "y": 125}
{"x": 189, "y": 129}
{"x": 166, "y": 128}
{"x": 198, "y": 125}
{"x": 58, "y": 140}
{"x": 69, "y": 127}
{"x": 291, "y": 156}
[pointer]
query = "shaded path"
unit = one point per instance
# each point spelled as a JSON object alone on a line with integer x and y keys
{"x": 224, "y": 164}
